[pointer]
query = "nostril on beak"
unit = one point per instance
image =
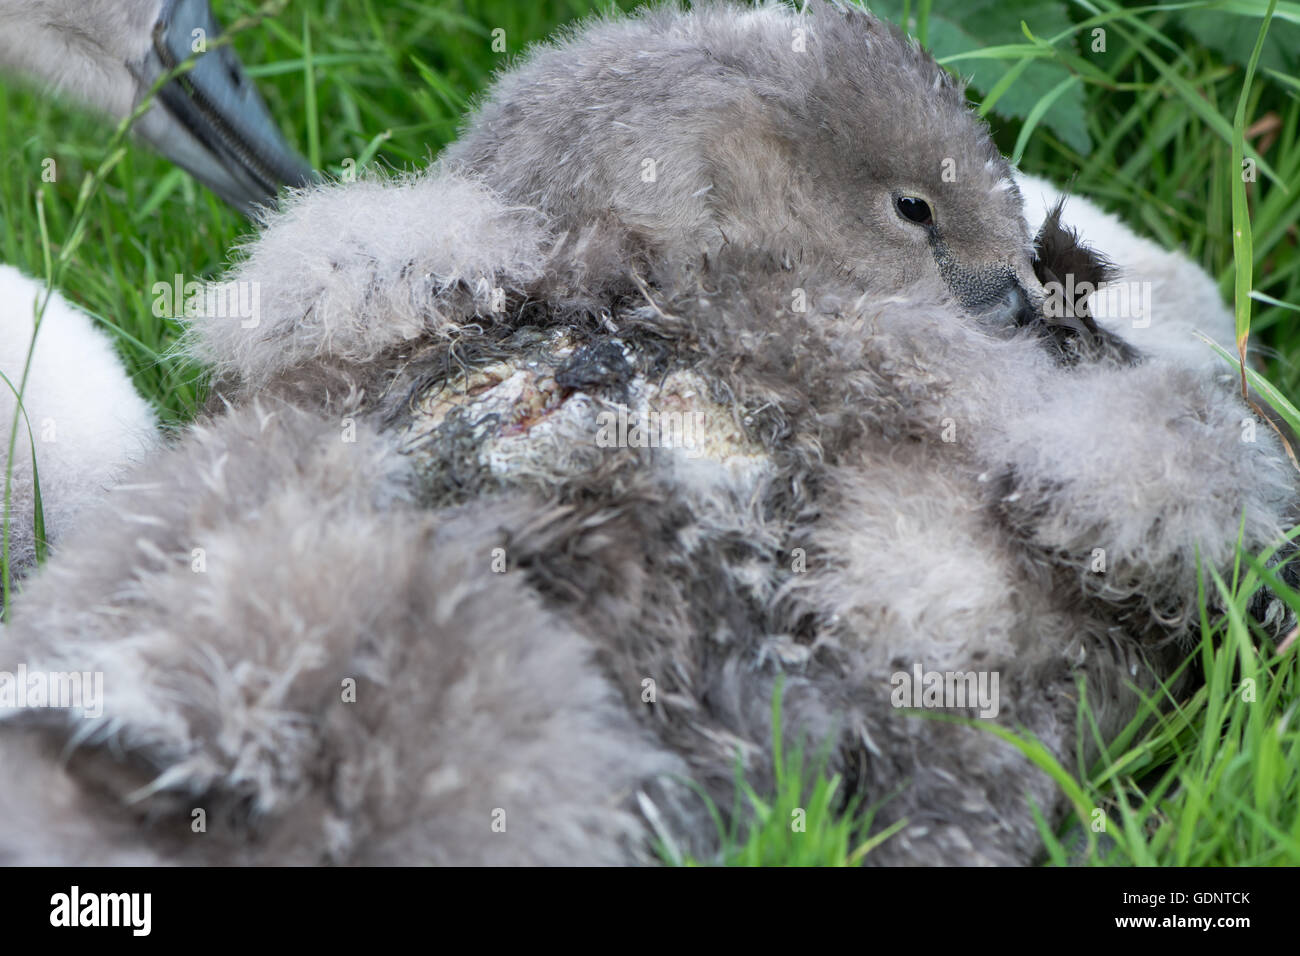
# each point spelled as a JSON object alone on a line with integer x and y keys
{"x": 1023, "y": 310}
{"x": 1014, "y": 309}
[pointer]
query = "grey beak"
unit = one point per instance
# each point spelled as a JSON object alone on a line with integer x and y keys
{"x": 1014, "y": 308}
{"x": 211, "y": 121}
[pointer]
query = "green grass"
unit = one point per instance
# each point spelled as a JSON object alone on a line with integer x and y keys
{"x": 354, "y": 82}
{"x": 806, "y": 820}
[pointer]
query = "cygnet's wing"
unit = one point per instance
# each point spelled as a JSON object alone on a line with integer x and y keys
{"x": 267, "y": 635}
{"x": 343, "y": 273}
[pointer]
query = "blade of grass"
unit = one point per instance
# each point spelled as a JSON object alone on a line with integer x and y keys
{"x": 1241, "y": 229}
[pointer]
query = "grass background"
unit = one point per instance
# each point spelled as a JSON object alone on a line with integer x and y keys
{"x": 1146, "y": 128}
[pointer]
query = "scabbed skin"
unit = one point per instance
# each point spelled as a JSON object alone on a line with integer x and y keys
{"x": 410, "y": 493}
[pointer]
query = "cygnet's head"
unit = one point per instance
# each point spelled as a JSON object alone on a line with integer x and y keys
{"x": 826, "y": 133}
{"x": 107, "y": 54}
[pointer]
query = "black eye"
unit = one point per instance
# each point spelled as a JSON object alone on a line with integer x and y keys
{"x": 914, "y": 210}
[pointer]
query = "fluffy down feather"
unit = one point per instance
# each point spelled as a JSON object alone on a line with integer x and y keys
{"x": 889, "y": 478}
{"x": 231, "y": 594}
{"x": 83, "y": 416}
